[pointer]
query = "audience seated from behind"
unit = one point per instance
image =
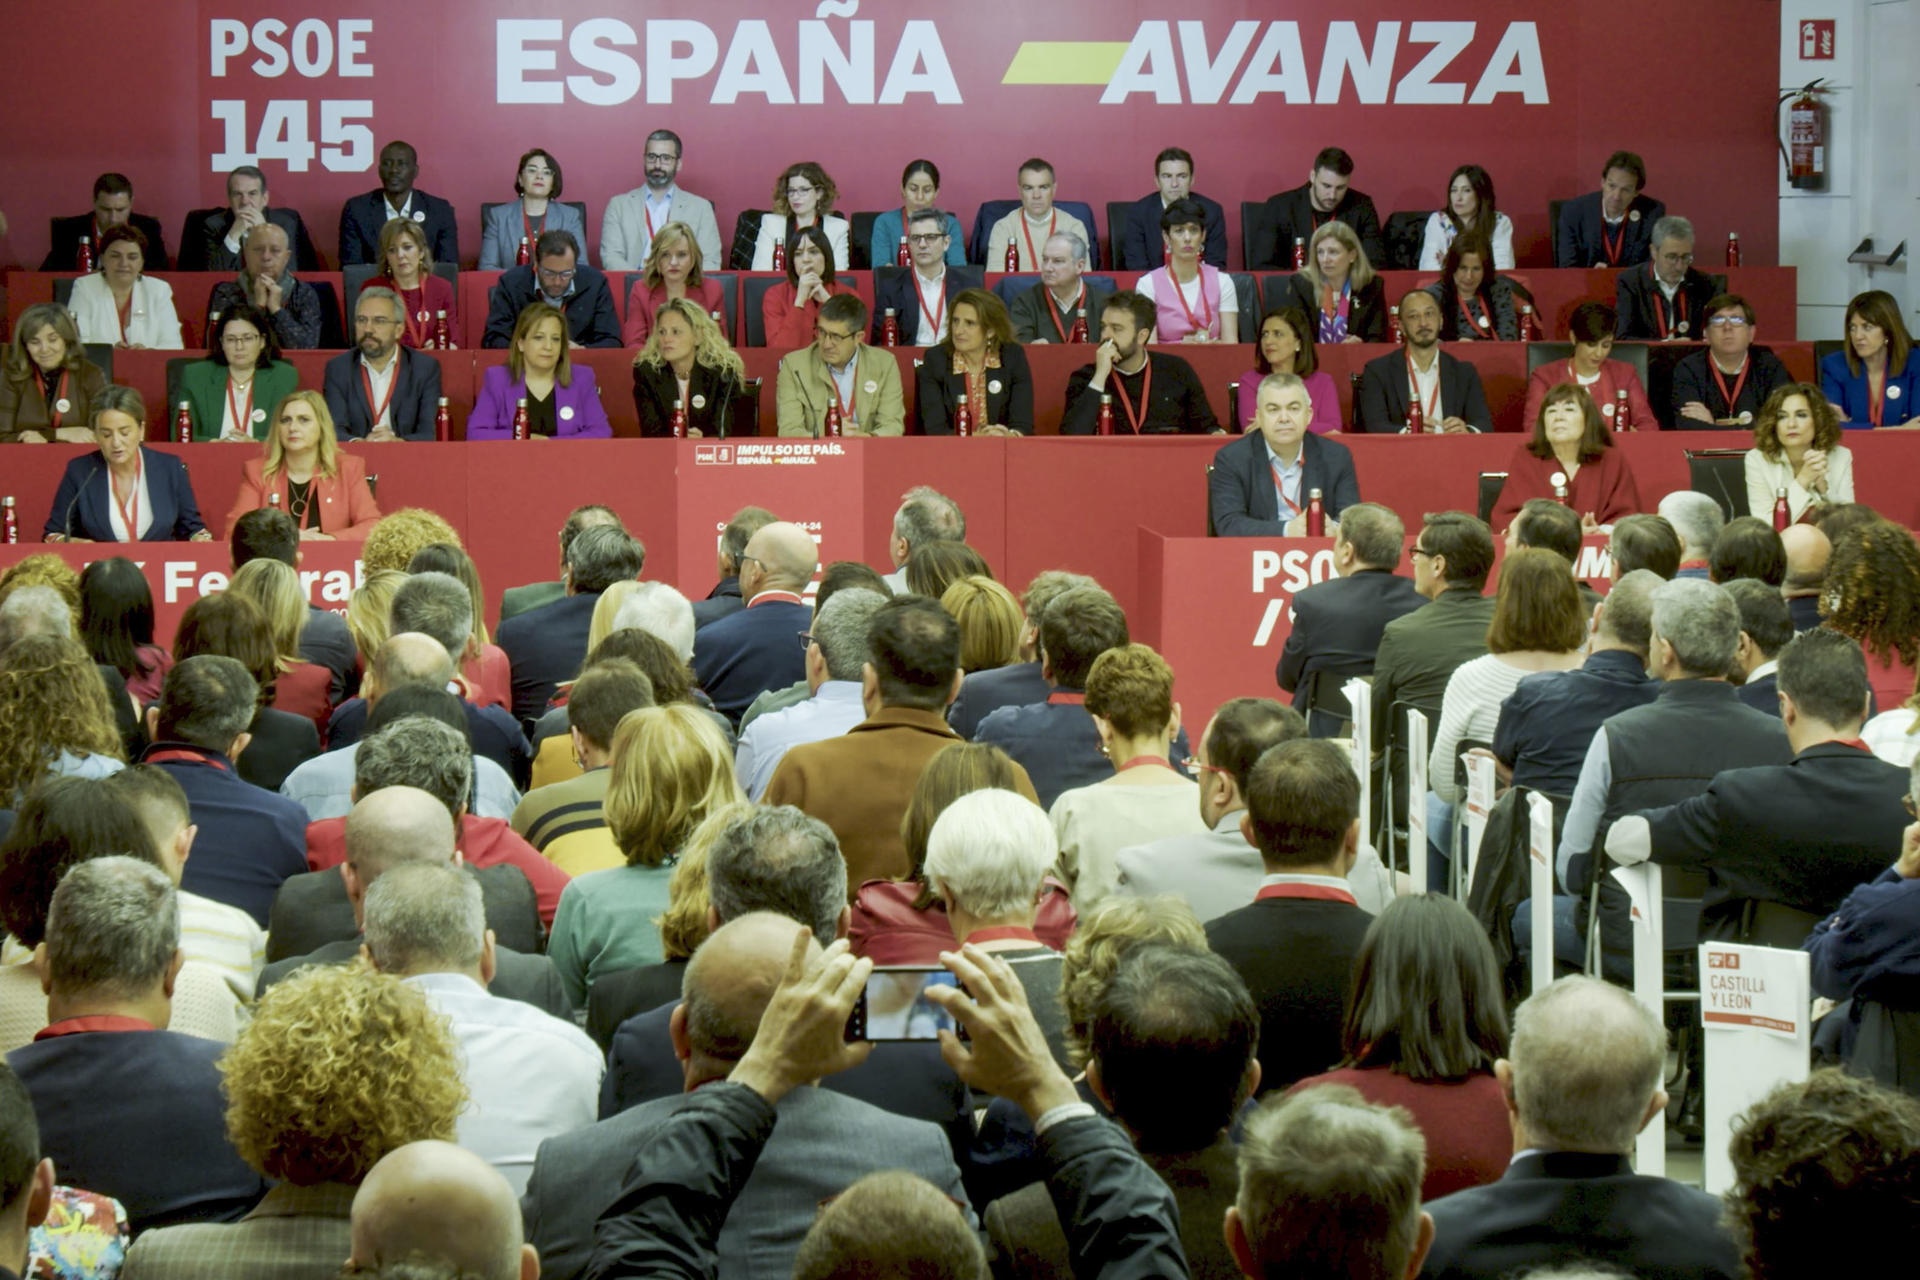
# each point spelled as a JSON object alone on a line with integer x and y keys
{"x": 565, "y": 820}
{"x": 924, "y": 515}
{"x": 1808, "y": 552}
{"x": 747, "y": 653}
{"x": 324, "y": 638}
{"x": 534, "y": 594}
{"x": 837, "y": 655}
{"x": 1765, "y": 628}
{"x": 1420, "y": 651}
{"x": 433, "y": 1205}
{"x": 547, "y": 644}
{"x": 1644, "y": 542}
{"x": 1697, "y": 519}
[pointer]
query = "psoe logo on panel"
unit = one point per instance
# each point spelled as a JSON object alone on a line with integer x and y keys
{"x": 713, "y": 455}
{"x": 1281, "y": 575}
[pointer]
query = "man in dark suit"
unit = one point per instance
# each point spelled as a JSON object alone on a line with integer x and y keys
{"x": 740, "y": 657}
{"x": 1611, "y": 227}
{"x": 824, "y": 1141}
{"x": 1664, "y": 299}
{"x": 1337, "y": 624}
{"x": 1451, "y": 398}
{"x": 112, "y": 207}
{"x": 904, "y": 290}
{"x": 1048, "y": 311}
{"x": 362, "y": 217}
{"x": 1418, "y": 652}
{"x": 1295, "y": 943}
{"x": 1261, "y": 485}
{"x": 1581, "y": 1079}
{"x": 1765, "y": 628}
{"x": 1808, "y": 550}
{"x": 1138, "y": 247}
{"x": 524, "y": 599}
{"x": 1021, "y": 683}
{"x": 1326, "y": 196}
{"x": 557, "y": 277}
{"x": 725, "y": 599}
{"x": 403, "y": 383}
{"x": 1126, "y": 371}
{"x": 127, "y": 1108}
{"x": 215, "y": 244}
{"x": 546, "y": 646}
{"x": 1783, "y": 845}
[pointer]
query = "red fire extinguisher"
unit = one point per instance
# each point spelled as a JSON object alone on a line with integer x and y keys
{"x": 1806, "y": 147}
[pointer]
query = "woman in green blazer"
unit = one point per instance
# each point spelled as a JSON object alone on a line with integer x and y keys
{"x": 232, "y": 393}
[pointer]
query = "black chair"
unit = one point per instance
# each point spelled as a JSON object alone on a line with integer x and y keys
{"x": 729, "y": 291}
{"x": 333, "y": 332}
{"x": 193, "y": 235}
{"x": 746, "y": 234}
{"x": 353, "y": 279}
{"x": 1822, "y": 348}
{"x": 578, "y": 206}
{"x": 1233, "y": 403}
{"x": 1403, "y": 233}
{"x": 1208, "y": 489}
{"x": 860, "y": 240}
{"x": 1544, "y": 353}
{"x": 1275, "y": 293}
{"x": 752, "y": 319}
{"x": 101, "y": 354}
{"x": 1009, "y": 287}
{"x": 160, "y": 425}
{"x": 1246, "y": 288}
{"x": 1721, "y": 474}
{"x": 1116, "y": 230}
{"x": 1491, "y": 485}
{"x": 63, "y": 291}
{"x": 1321, "y": 697}
{"x": 1258, "y": 249}
{"x": 752, "y": 391}
{"x": 1553, "y": 225}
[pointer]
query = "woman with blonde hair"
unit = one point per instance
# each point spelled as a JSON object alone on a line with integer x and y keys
{"x": 407, "y": 268}
{"x": 606, "y": 609}
{"x": 304, "y": 472}
{"x": 669, "y": 769}
{"x": 559, "y": 395}
{"x": 688, "y": 363}
{"x": 990, "y": 622}
{"x": 55, "y": 718}
{"x": 370, "y": 612}
{"x": 299, "y": 686}
{"x": 1338, "y": 289}
{"x": 672, "y": 274}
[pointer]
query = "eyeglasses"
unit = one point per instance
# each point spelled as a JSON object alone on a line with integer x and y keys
{"x": 1727, "y": 322}
{"x": 1204, "y": 767}
{"x": 239, "y": 339}
{"x": 561, "y": 276}
{"x": 832, "y": 335}
{"x": 374, "y": 322}
{"x": 742, "y": 559}
{"x": 1677, "y": 259}
{"x": 799, "y": 191}
{"x": 806, "y": 639}
{"x": 927, "y": 237}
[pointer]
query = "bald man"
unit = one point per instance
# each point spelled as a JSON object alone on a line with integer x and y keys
{"x": 747, "y": 653}
{"x": 415, "y": 658}
{"x": 1807, "y": 553}
{"x": 823, "y": 1143}
{"x": 435, "y": 1202}
{"x": 266, "y": 280}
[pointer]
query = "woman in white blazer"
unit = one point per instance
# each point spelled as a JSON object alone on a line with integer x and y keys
{"x": 118, "y": 305}
{"x": 1469, "y": 204}
{"x": 802, "y": 195}
{"x": 536, "y": 208}
{"x": 1796, "y": 447}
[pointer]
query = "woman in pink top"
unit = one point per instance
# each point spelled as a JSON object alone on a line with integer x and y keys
{"x": 1591, "y": 328}
{"x": 1285, "y": 345}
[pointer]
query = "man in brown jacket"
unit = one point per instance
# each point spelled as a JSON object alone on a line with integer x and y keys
{"x": 859, "y": 784}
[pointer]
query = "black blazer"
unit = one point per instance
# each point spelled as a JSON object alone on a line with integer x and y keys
{"x": 941, "y": 390}
{"x": 1291, "y": 216}
{"x": 1366, "y": 309}
{"x": 1385, "y": 396}
{"x": 282, "y": 742}
{"x": 717, "y": 403}
{"x": 66, "y": 241}
{"x": 894, "y": 287}
{"x": 84, "y": 500}
{"x": 1581, "y": 244}
{"x": 721, "y": 601}
{"x": 1141, "y": 248}
{"x": 1634, "y": 291}
{"x": 1296, "y": 955}
{"x": 589, "y": 308}
{"x": 1558, "y": 1206}
{"x": 1337, "y": 624}
{"x": 530, "y": 979}
{"x": 207, "y": 251}
{"x": 312, "y": 910}
{"x": 627, "y": 993}
{"x": 1176, "y": 404}
{"x": 416, "y": 396}
{"x": 545, "y": 646}
{"x": 362, "y": 217}
{"x": 1240, "y": 496}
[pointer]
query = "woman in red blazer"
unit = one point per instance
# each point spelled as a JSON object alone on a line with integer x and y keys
{"x": 1572, "y": 451}
{"x": 305, "y": 474}
{"x": 673, "y": 271}
{"x": 1591, "y": 328}
{"x": 789, "y": 310}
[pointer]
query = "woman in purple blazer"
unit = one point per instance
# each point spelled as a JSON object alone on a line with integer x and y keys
{"x": 561, "y": 400}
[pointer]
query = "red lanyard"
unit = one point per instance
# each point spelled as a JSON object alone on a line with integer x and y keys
{"x": 414, "y": 338}
{"x": 1137, "y": 420}
{"x": 1204, "y": 321}
{"x": 130, "y": 509}
{"x": 1429, "y": 409}
{"x": 1616, "y": 246}
{"x": 1482, "y": 328}
{"x": 1746, "y": 367}
{"x": 1026, "y": 229}
{"x": 61, "y": 404}
{"x": 938, "y": 313}
{"x": 1054, "y": 312}
{"x": 648, "y": 210}
{"x": 1320, "y": 892}
{"x": 125, "y": 310}
{"x": 532, "y": 236}
{"x": 833, "y": 385}
{"x": 1153, "y": 760}
{"x": 244, "y": 422}
{"x": 1292, "y": 505}
{"x": 393, "y": 385}
{"x": 1679, "y": 311}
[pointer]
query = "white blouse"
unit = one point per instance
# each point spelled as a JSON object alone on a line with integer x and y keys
{"x": 152, "y": 321}
{"x": 773, "y": 230}
{"x": 1440, "y": 233}
{"x": 1766, "y": 477}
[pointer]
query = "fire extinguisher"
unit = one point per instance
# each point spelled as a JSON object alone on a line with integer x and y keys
{"x": 1806, "y": 146}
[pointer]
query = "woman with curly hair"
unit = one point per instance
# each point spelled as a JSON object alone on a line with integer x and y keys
{"x": 803, "y": 196}
{"x": 397, "y": 537}
{"x": 55, "y": 719}
{"x": 669, "y": 769}
{"x": 339, "y": 1066}
{"x": 1797, "y": 451}
{"x": 299, "y": 686}
{"x": 687, "y": 362}
{"x": 1873, "y": 595}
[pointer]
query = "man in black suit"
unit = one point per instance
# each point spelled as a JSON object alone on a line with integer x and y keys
{"x": 112, "y": 207}
{"x": 1582, "y": 1078}
{"x": 1326, "y": 196}
{"x": 910, "y": 292}
{"x": 1451, "y": 398}
{"x": 1418, "y": 652}
{"x": 215, "y": 244}
{"x": 1765, "y": 628}
{"x": 1021, "y": 683}
{"x": 747, "y": 653}
{"x": 1126, "y": 371}
{"x": 1049, "y": 310}
{"x": 1808, "y": 550}
{"x": 1664, "y": 299}
{"x": 1337, "y": 624}
{"x": 725, "y": 598}
{"x": 1260, "y": 485}
{"x": 362, "y": 217}
{"x": 557, "y": 277}
{"x": 1296, "y": 942}
{"x": 1783, "y": 845}
{"x": 546, "y": 646}
{"x": 403, "y": 383}
{"x": 524, "y": 599}
{"x": 271, "y": 533}
{"x": 1611, "y": 227}
{"x": 1140, "y": 247}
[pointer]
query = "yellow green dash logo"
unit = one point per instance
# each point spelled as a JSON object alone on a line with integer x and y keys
{"x": 1065, "y": 62}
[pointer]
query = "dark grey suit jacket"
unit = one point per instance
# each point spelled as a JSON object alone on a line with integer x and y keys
{"x": 311, "y": 910}
{"x": 530, "y": 597}
{"x": 529, "y": 979}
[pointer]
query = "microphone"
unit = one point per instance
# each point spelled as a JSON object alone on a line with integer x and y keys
{"x": 729, "y": 385}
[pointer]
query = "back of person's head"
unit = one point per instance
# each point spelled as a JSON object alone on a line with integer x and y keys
{"x": 1131, "y": 688}
{"x": 990, "y": 622}
{"x": 1110, "y": 929}
{"x": 1465, "y": 541}
{"x": 116, "y": 613}
{"x": 230, "y": 625}
{"x": 435, "y": 1211}
{"x": 927, "y": 515}
{"x": 601, "y": 556}
{"x": 1696, "y": 517}
{"x": 113, "y": 930}
{"x": 416, "y": 751}
{"x": 1329, "y": 1189}
{"x": 989, "y": 851}
{"x": 1764, "y": 615}
{"x": 1832, "y": 1157}
{"x": 1748, "y": 548}
{"x": 1642, "y": 541}
{"x": 840, "y": 575}
{"x": 603, "y": 695}
{"x": 425, "y": 918}
{"x": 729, "y": 981}
{"x": 840, "y": 628}
{"x": 1046, "y": 587}
{"x": 1302, "y": 801}
{"x": 778, "y": 859}
{"x": 1825, "y": 675}
{"x": 1808, "y": 550}
{"x": 1375, "y": 533}
{"x": 1587, "y": 1060}
{"x": 1538, "y": 607}
{"x": 1426, "y": 998}
{"x": 19, "y": 1140}
{"x": 890, "y": 1226}
{"x": 953, "y": 771}
{"x": 155, "y": 796}
{"x": 590, "y": 516}
{"x": 1627, "y": 613}
{"x": 62, "y": 822}
{"x": 34, "y": 611}
{"x": 208, "y": 701}
{"x": 1172, "y": 1040}
{"x": 1700, "y": 621}
{"x": 398, "y": 536}
{"x": 395, "y": 826}
{"x": 673, "y": 679}
{"x": 739, "y": 531}
{"x": 435, "y": 701}
{"x": 657, "y": 608}
{"x": 1837, "y": 519}
{"x": 1542, "y": 522}
{"x": 436, "y": 605}
{"x": 914, "y": 650}
{"x": 934, "y": 566}
{"x": 275, "y": 590}
{"x": 669, "y": 769}
{"x": 43, "y": 570}
{"x": 1079, "y": 625}
{"x": 264, "y": 533}
{"x": 1243, "y": 729}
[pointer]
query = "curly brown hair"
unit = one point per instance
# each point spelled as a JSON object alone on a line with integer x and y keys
{"x": 1873, "y": 591}
{"x": 1104, "y": 935}
{"x": 339, "y": 1066}
{"x": 400, "y": 535}
{"x": 1826, "y": 422}
{"x": 1131, "y": 688}
{"x": 44, "y": 570}
{"x": 51, "y": 700}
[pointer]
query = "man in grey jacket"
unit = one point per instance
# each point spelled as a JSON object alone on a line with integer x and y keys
{"x": 626, "y": 233}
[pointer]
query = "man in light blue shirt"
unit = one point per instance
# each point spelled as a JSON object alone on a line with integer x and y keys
{"x": 835, "y": 655}
{"x": 324, "y": 785}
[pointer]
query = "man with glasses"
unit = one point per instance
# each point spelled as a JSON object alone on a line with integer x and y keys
{"x": 1419, "y": 651}
{"x": 920, "y": 294}
{"x": 626, "y": 233}
{"x": 382, "y": 390}
{"x": 1048, "y": 311}
{"x": 557, "y": 277}
{"x": 839, "y": 368}
{"x": 1664, "y": 299}
{"x": 266, "y": 282}
{"x": 1725, "y": 385}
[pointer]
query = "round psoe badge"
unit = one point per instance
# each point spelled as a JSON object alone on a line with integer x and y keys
{"x": 566, "y": 413}
{"x": 870, "y": 387}
{"x": 993, "y": 388}
{"x": 699, "y": 402}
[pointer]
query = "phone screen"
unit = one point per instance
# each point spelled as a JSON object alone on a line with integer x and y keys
{"x": 894, "y": 1005}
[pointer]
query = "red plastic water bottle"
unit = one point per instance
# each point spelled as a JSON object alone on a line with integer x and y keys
{"x": 442, "y": 335}
{"x": 1416, "y": 417}
{"x": 524, "y": 254}
{"x": 1733, "y": 248}
{"x": 83, "y": 256}
{"x": 1316, "y": 515}
{"x": 890, "y": 328}
{"x": 779, "y": 256}
{"x": 963, "y": 417}
{"x": 1393, "y": 325}
{"x": 1013, "y": 255}
{"x": 901, "y": 257}
{"x": 677, "y": 425}
{"x": 1622, "y": 412}
{"x": 521, "y": 427}
{"x": 1782, "y": 513}
{"x": 9, "y": 521}
{"x": 1079, "y": 331}
{"x": 443, "y": 422}
{"x": 1106, "y": 414}
{"x": 183, "y": 424}
{"x": 1299, "y": 253}
{"x": 1529, "y": 326}
{"x": 831, "y": 427}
